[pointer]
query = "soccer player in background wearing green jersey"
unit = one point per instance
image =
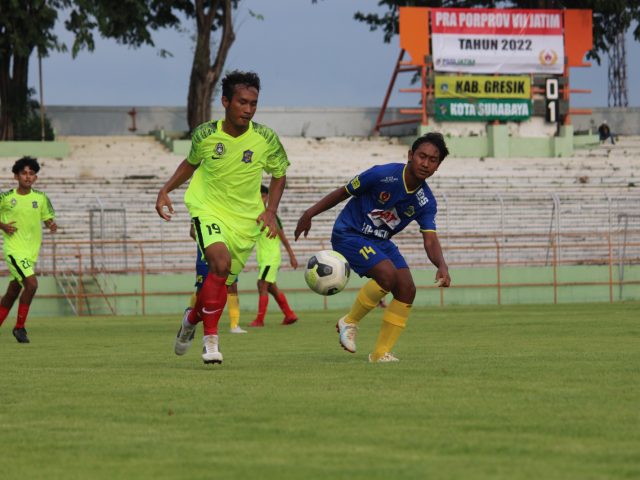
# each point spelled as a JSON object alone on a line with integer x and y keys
{"x": 225, "y": 165}
{"x": 269, "y": 258}
{"x": 22, "y": 210}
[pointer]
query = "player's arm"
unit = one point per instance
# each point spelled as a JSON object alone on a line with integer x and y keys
{"x": 182, "y": 174}
{"x": 268, "y": 217}
{"x": 51, "y": 225}
{"x": 8, "y": 228}
{"x": 48, "y": 214}
{"x": 285, "y": 241}
{"x": 434, "y": 252}
{"x": 331, "y": 200}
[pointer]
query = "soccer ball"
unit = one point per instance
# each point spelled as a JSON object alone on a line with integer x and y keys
{"x": 327, "y": 272}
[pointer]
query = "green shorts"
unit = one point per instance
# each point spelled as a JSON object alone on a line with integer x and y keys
{"x": 268, "y": 257}
{"x": 20, "y": 265}
{"x": 210, "y": 229}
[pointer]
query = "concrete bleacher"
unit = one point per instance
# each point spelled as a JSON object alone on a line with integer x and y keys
{"x": 484, "y": 196}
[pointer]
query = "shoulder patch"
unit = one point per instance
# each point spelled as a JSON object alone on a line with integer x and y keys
{"x": 5, "y": 194}
{"x": 264, "y": 131}
{"x": 204, "y": 130}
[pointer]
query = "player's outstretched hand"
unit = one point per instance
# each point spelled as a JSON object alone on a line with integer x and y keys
{"x": 53, "y": 227}
{"x": 9, "y": 228}
{"x": 268, "y": 220}
{"x": 162, "y": 201}
{"x": 442, "y": 278}
{"x": 304, "y": 225}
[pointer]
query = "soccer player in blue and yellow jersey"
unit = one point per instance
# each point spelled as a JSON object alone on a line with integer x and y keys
{"x": 269, "y": 258}
{"x": 384, "y": 200}
{"x": 225, "y": 165}
{"x": 22, "y": 211}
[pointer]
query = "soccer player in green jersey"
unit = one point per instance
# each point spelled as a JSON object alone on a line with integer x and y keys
{"x": 268, "y": 256}
{"x": 225, "y": 164}
{"x": 22, "y": 210}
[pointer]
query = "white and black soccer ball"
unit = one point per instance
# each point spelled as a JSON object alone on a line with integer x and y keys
{"x": 327, "y": 272}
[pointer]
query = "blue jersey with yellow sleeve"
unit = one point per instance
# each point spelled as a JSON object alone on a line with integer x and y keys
{"x": 382, "y": 205}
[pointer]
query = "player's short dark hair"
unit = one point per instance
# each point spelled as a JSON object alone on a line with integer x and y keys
{"x": 264, "y": 190}
{"x": 24, "y": 162}
{"x": 232, "y": 79}
{"x": 434, "y": 138}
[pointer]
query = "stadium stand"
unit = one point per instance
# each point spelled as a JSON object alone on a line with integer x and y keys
{"x": 116, "y": 179}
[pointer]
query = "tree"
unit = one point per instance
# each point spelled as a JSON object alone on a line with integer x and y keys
{"x": 27, "y": 26}
{"x": 610, "y": 18}
{"x": 204, "y": 76}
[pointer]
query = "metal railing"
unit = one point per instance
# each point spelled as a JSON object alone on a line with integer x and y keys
{"x": 615, "y": 250}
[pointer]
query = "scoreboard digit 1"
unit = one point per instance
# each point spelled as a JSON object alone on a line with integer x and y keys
{"x": 551, "y": 95}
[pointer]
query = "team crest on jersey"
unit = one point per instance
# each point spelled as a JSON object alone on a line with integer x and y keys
{"x": 384, "y": 197}
{"x": 34, "y": 204}
{"x": 219, "y": 149}
{"x": 410, "y": 212}
{"x": 13, "y": 202}
{"x": 246, "y": 156}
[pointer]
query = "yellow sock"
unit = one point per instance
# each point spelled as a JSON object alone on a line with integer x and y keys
{"x": 233, "y": 304}
{"x": 393, "y": 322}
{"x": 192, "y": 302}
{"x": 368, "y": 298}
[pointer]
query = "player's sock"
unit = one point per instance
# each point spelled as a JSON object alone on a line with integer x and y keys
{"x": 284, "y": 305}
{"x": 209, "y": 304}
{"x": 368, "y": 297}
{"x": 263, "y": 303}
{"x": 192, "y": 302}
{"x": 210, "y": 323}
{"x": 233, "y": 305}
{"x": 4, "y": 311}
{"x": 23, "y": 311}
{"x": 393, "y": 322}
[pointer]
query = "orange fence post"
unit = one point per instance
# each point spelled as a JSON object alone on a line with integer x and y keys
{"x": 555, "y": 270}
{"x": 498, "y": 270}
{"x": 80, "y": 292}
{"x": 142, "y": 279}
{"x": 610, "y": 269}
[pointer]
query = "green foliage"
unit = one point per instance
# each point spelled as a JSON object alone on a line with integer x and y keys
{"x": 522, "y": 392}
{"x": 28, "y": 25}
{"x": 28, "y": 126}
{"x": 610, "y": 18}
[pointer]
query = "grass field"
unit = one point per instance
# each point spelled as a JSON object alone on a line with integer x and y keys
{"x": 526, "y": 392}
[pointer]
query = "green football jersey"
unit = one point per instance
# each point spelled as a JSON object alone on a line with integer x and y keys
{"x": 229, "y": 174}
{"x": 28, "y": 212}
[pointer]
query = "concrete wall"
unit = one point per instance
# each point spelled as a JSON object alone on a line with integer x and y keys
{"x": 472, "y": 286}
{"x": 309, "y": 122}
{"x": 289, "y": 122}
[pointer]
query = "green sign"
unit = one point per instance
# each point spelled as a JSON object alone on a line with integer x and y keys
{"x": 481, "y": 110}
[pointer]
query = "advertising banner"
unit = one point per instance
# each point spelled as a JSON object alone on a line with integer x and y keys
{"x": 482, "y": 40}
{"x": 483, "y": 86}
{"x": 482, "y": 109}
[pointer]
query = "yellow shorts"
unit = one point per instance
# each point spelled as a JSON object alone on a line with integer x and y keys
{"x": 269, "y": 258}
{"x": 20, "y": 265}
{"x": 210, "y": 229}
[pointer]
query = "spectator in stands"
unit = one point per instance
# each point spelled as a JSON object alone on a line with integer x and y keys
{"x": 385, "y": 199}
{"x": 605, "y": 132}
{"x": 268, "y": 256}
{"x": 226, "y": 160}
{"x": 22, "y": 210}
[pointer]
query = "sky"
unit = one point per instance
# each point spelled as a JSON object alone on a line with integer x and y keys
{"x": 307, "y": 55}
